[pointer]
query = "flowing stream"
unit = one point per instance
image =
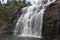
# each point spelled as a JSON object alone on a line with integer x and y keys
{"x": 30, "y": 23}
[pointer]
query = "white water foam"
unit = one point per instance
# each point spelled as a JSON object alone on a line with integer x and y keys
{"x": 30, "y": 24}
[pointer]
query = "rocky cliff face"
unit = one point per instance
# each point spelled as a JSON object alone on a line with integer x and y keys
{"x": 51, "y": 21}
{"x": 16, "y": 17}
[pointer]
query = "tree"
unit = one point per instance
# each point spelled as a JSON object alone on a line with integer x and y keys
{"x": 29, "y": 3}
{"x": 0, "y": 2}
{"x": 7, "y": 12}
{"x": 19, "y": 0}
{"x": 24, "y": 1}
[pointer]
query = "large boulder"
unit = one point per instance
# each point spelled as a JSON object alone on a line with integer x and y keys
{"x": 51, "y": 21}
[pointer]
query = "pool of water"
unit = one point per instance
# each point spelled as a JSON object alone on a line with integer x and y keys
{"x": 12, "y": 37}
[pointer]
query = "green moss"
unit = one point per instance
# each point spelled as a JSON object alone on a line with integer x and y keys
{"x": 7, "y": 12}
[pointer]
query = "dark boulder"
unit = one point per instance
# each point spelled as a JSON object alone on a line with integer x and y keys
{"x": 51, "y": 21}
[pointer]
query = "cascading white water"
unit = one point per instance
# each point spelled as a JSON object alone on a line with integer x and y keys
{"x": 30, "y": 24}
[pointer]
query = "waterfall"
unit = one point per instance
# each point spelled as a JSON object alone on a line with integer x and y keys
{"x": 30, "y": 23}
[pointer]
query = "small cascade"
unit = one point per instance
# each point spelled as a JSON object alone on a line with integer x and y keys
{"x": 30, "y": 23}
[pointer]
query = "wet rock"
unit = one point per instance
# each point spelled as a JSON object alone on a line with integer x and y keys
{"x": 15, "y": 18}
{"x": 51, "y": 21}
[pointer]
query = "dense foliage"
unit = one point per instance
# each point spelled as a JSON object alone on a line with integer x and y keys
{"x": 7, "y": 12}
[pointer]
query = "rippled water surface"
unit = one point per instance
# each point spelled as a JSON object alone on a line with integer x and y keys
{"x": 11, "y": 37}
